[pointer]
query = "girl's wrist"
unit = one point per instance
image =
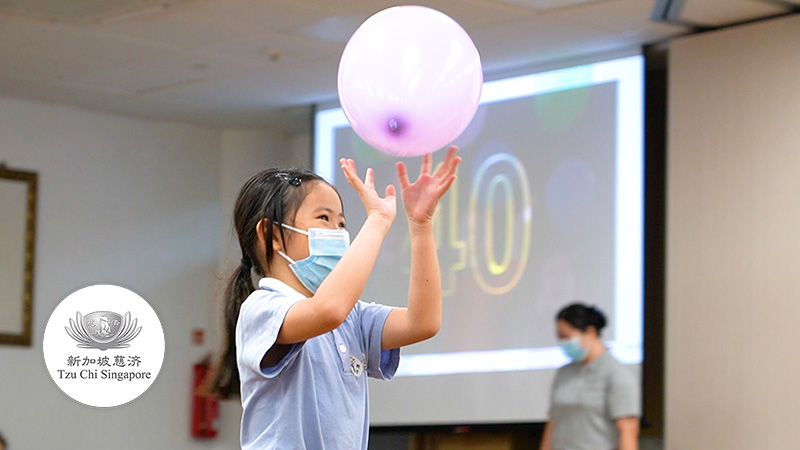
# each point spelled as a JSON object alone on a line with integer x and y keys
{"x": 380, "y": 221}
{"x": 415, "y": 227}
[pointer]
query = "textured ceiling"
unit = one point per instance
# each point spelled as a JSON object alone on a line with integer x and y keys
{"x": 256, "y": 63}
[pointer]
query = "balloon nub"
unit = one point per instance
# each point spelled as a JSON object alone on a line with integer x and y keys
{"x": 394, "y": 126}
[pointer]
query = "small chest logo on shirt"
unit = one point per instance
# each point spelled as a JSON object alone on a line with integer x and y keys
{"x": 357, "y": 366}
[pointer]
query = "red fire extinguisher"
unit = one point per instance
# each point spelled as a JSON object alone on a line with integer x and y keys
{"x": 205, "y": 409}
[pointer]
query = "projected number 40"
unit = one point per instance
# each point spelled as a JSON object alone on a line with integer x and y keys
{"x": 496, "y": 247}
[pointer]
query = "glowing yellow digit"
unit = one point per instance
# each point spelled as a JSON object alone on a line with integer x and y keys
{"x": 455, "y": 247}
{"x": 512, "y": 179}
{"x": 489, "y": 217}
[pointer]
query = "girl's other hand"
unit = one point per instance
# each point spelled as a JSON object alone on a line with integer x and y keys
{"x": 421, "y": 197}
{"x": 385, "y": 207}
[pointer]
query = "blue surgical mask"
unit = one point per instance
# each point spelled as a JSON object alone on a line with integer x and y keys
{"x": 572, "y": 348}
{"x": 325, "y": 248}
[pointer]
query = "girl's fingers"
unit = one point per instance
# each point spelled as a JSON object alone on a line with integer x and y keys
{"x": 369, "y": 178}
{"x": 453, "y": 166}
{"x": 440, "y": 169}
{"x": 426, "y": 165}
{"x": 453, "y": 157}
{"x": 368, "y": 184}
{"x": 446, "y": 185}
{"x": 448, "y": 160}
{"x": 402, "y": 175}
{"x": 451, "y": 161}
{"x": 345, "y": 169}
{"x": 347, "y": 164}
{"x": 348, "y": 167}
{"x": 362, "y": 187}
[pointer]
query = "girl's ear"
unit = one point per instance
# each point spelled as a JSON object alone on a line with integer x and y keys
{"x": 261, "y": 229}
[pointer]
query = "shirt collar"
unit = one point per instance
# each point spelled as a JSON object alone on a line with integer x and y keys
{"x": 274, "y": 284}
{"x": 598, "y": 362}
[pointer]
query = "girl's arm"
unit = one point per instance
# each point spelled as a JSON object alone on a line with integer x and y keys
{"x": 628, "y": 433}
{"x": 423, "y": 316}
{"x": 547, "y": 437}
{"x": 338, "y": 293}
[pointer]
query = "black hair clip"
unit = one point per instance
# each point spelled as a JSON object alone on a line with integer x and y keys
{"x": 294, "y": 181}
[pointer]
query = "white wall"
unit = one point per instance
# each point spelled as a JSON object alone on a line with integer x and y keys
{"x": 144, "y": 205}
{"x": 733, "y": 242}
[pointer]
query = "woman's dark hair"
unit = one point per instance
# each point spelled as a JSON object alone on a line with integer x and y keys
{"x": 581, "y": 316}
{"x": 274, "y": 195}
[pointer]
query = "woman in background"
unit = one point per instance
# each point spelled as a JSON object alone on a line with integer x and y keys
{"x": 595, "y": 400}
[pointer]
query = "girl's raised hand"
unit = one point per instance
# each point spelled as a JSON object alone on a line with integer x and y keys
{"x": 421, "y": 197}
{"x": 385, "y": 207}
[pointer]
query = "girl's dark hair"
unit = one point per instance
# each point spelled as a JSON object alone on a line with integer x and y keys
{"x": 274, "y": 195}
{"x": 581, "y": 316}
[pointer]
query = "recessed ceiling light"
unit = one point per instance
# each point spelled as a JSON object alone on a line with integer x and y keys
{"x": 334, "y": 28}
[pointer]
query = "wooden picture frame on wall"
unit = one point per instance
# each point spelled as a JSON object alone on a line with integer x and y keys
{"x": 18, "y": 192}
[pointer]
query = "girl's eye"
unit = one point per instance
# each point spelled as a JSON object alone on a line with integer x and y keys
{"x": 324, "y": 217}
{"x": 341, "y": 225}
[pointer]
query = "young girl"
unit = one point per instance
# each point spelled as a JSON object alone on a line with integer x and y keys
{"x": 301, "y": 345}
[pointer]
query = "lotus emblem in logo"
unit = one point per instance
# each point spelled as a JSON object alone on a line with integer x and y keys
{"x": 103, "y": 330}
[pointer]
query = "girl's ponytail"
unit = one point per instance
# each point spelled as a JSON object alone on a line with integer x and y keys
{"x": 239, "y": 287}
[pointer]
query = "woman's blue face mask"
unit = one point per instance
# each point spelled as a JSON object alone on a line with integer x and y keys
{"x": 572, "y": 348}
{"x": 325, "y": 248}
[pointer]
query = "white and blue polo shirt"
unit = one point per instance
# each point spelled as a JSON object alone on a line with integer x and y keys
{"x": 316, "y": 396}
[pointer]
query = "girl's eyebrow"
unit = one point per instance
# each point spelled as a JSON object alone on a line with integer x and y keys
{"x": 326, "y": 209}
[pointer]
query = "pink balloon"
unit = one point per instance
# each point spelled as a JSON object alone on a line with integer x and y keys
{"x": 409, "y": 80}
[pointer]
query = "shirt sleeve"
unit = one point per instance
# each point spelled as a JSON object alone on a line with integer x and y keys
{"x": 553, "y": 387}
{"x": 381, "y": 364}
{"x": 624, "y": 397}
{"x": 551, "y": 397}
{"x": 260, "y": 321}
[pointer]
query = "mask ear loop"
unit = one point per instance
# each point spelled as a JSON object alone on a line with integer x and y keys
{"x": 295, "y": 229}
{"x": 280, "y": 252}
{"x": 286, "y": 257}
